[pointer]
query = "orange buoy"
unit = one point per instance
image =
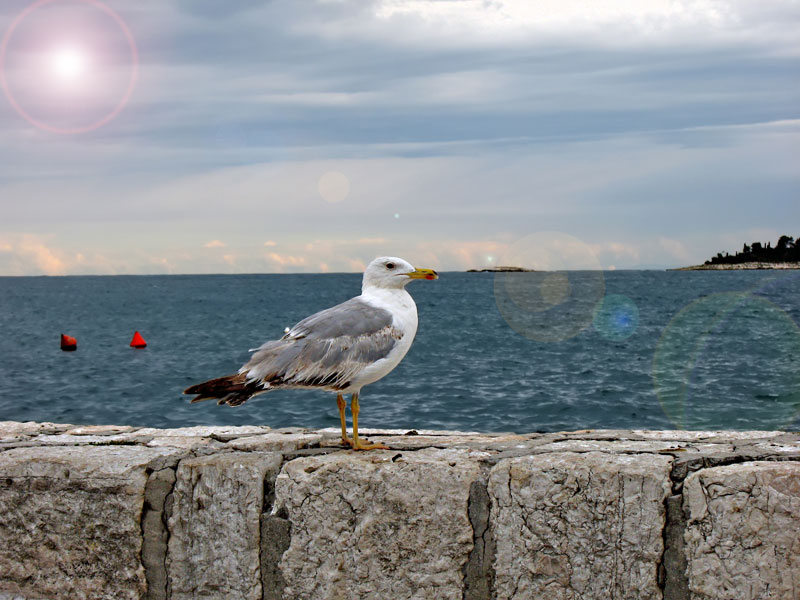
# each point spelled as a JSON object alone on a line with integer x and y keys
{"x": 138, "y": 341}
{"x": 68, "y": 343}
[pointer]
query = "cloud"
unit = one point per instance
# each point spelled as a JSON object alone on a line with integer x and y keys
{"x": 357, "y": 265}
{"x": 612, "y": 252}
{"x": 619, "y": 122}
{"x": 33, "y": 254}
{"x": 364, "y": 76}
{"x": 44, "y": 258}
{"x": 628, "y": 190}
{"x": 457, "y": 254}
{"x": 28, "y": 253}
{"x": 675, "y": 249}
{"x": 597, "y": 23}
{"x": 286, "y": 260}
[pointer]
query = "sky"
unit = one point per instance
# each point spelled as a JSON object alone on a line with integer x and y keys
{"x": 198, "y": 136}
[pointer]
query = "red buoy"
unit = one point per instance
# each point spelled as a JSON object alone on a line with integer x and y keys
{"x": 138, "y": 341}
{"x": 68, "y": 344}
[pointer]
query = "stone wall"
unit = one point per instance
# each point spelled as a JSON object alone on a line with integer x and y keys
{"x": 252, "y": 513}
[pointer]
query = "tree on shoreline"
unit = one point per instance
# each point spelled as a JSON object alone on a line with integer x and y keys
{"x": 786, "y": 250}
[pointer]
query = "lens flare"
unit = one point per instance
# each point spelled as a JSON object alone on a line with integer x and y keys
{"x": 68, "y": 63}
{"x": 727, "y": 361}
{"x": 333, "y": 187}
{"x": 616, "y": 318}
{"x": 557, "y": 300}
{"x": 555, "y": 289}
{"x": 81, "y": 83}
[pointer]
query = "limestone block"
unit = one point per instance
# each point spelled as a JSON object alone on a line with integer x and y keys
{"x": 366, "y": 526}
{"x": 32, "y": 427}
{"x": 276, "y": 442}
{"x": 100, "y": 429}
{"x": 627, "y": 446}
{"x": 71, "y": 520}
{"x": 742, "y": 537}
{"x": 695, "y": 435}
{"x": 586, "y": 525}
{"x": 219, "y": 432}
{"x": 416, "y": 442}
{"x": 378, "y": 433}
{"x": 213, "y": 549}
{"x": 767, "y": 449}
{"x": 185, "y": 441}
{"x": 66, "y": 439}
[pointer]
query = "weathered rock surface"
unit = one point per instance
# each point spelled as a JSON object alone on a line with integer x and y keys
{"x": 71, "y": 521}
{"x": 32, "y": 427}
{"x": 219, "y": 432}
{"x": 259, "y": 513}
{"x": 215, "y": 526}
{"x": 366, "y": 526}
{"x": 579, "y": 525}
{"x": 743, "y": 531}
{"x": 276, "y": 442}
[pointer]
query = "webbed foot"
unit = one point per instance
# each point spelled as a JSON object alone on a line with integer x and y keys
{"x": 360, "y": 444}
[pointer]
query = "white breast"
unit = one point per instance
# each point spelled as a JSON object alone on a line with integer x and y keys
{"x": 404, "y": 312}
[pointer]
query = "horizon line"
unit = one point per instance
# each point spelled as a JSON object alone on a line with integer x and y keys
{"x": 474, "y": 271}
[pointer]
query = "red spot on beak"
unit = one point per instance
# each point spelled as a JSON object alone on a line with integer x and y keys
{"x": 430, "y": 276}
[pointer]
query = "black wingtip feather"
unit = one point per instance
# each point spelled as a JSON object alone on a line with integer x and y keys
{"x": 231, "y": 389}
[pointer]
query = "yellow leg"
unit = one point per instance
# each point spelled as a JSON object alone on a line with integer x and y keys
{"x": 342, "y": 404}
{"x": 357, "y": 443}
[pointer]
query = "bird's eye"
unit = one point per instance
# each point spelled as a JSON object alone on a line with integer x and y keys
{"x": 390, "y": 266}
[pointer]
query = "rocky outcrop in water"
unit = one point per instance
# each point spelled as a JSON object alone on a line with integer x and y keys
{"x": 249, "y": 512}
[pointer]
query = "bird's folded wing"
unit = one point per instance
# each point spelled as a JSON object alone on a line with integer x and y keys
{"x": 327, "y": 349}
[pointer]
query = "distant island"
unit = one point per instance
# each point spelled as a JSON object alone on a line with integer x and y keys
{"x": 784, "y": 255}
{"x": 499, "y": 269}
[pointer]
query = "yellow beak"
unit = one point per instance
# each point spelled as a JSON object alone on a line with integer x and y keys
{"x": 423, "y": 274}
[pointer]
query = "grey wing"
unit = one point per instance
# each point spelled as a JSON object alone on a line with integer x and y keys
{"x": 328, "y": 349}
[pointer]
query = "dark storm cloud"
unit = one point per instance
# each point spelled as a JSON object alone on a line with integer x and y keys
{"x": 265, "y": 68}
{"x": 298, "y": 74}
{"x": 215, "y": 10}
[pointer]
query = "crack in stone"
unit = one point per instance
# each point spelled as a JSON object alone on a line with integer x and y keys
{"x": 620, "y": 525}
{"x": 155, "y": 531}
{"x": 681, "y": 469}
{"x": 274, "y": 539}
{"x": 673, "y": 576}
{"x": 674, "y": 582}
{"x": 479, "y": 569}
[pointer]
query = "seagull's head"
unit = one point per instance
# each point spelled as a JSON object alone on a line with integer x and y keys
{"x": 393, "y": 272}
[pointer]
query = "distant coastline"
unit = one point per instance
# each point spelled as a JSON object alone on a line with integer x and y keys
{"x": 499, "y": 269}
{"x": 746, "y": 266}
{"x": 784, "y": 255}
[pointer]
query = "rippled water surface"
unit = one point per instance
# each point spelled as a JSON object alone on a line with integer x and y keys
{"x": 648, "y": 349}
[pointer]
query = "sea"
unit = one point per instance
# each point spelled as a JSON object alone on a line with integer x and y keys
{"x": 512, "y": 352}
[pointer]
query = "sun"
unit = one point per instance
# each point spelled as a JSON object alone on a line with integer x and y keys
{"x": 69, "y": 64}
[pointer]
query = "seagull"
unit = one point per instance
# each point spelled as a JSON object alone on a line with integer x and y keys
{"x": 340, "y": 349}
